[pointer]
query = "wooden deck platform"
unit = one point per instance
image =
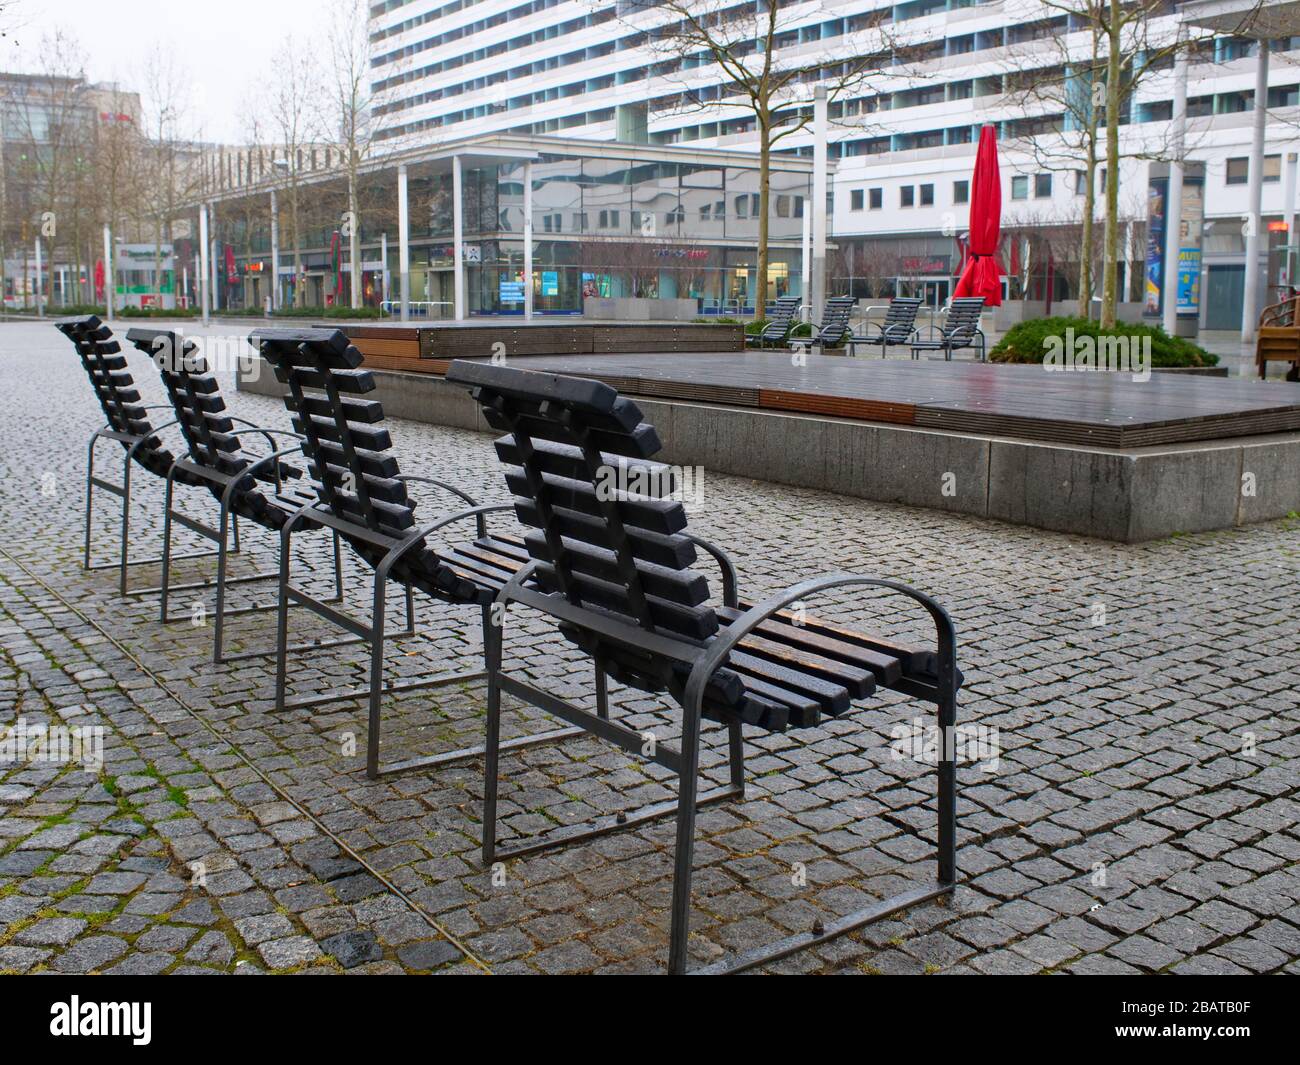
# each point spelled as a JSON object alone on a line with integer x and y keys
{"x": 1099, "y": 409}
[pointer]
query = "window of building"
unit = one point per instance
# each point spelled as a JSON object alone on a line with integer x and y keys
{"x": 1042, "y": 186}
{"x": 1020, "y": 187}
{"x": 856, "y": 199}
{"x": 1272, "y": 168}
{"x": 876, "y": 197}
{"x": 907, "y": 196}
{"x": 609, "y": 219}
{"x": 927, "y": 195}
{"x": 961, "y": 192}
{"x": 1238, "y": 171}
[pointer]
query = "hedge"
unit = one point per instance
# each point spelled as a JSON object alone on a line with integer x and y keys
{"x": 1027, "y": 341}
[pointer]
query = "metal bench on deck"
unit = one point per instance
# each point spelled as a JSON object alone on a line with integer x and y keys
{"x": 899, "y": 326}
{"x": 834, "y": 328}
{"x": 960, "y": 329}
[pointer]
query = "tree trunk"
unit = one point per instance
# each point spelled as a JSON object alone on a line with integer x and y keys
{"x": 354, "y": 234}
{"x": 1085, "y": 242}
{"x": 764, "y": 185}
{"x": 1110, "y": 252}
{"x": 299, "y": 282}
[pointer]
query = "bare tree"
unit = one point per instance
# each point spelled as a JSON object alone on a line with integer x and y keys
{"x": 1131, "y": 39}
{"x": 348, "y": 120}
{"x": 171, "y": 179}
{"x": 773, "y": 91}
{"x": 292, "y": 114}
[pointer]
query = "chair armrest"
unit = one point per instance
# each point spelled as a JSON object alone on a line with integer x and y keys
{"x": 416, "y": 535}
{"x": 458, "y": 493}
{"x": 730, "y": 578}
{"x": 721, "y": 647}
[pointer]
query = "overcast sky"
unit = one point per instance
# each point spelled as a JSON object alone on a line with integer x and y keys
{"x": 228, "y": 45}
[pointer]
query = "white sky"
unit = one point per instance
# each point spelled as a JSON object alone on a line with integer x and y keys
{"x": 227, "y": 45}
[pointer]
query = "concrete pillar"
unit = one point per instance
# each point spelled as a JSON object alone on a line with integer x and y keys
{"x": 1254, "y": 223}
{"x": 204, "y": 273}
{"x": 1288, "y": 215}
{"x": 806, "y": 313}
{"x": 275, "y": 253}
{"x": 528, "y": 242}
{"x": 108, "y": 273}
{"x": 820, "y": 131}
{"x": 1174, "y": 198}
{"x": 403, "y": 245}
{"x": 457, "y": 237}
{"x": 40, "y": 291}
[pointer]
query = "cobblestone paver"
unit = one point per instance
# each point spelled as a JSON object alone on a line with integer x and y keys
{"x": 1137, "y": 814}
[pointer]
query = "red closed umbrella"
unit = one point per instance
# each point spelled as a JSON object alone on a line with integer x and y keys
{"x": 982, "y": 275}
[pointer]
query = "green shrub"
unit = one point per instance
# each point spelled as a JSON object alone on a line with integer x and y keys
{"x": 716, "y": 321}
{"x": 1027, "y": 342}
{"x": 756, "y": 325}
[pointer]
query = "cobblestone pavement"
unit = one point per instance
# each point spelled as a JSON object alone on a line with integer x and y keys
{"x": 1139, "y": 815}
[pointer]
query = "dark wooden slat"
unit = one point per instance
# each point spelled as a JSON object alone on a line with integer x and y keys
{"x": 886, "y": 668}
{"x": 675, "y": 551}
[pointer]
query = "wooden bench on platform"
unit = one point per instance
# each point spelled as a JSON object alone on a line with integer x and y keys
{"x": 430, "y": 348}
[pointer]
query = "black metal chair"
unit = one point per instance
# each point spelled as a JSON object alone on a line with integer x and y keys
{"x": 780, "y": 320}
{"x": 130, "y": 425}
{"x": 834, "y": 329}
{"x": 960, "y": 329}
{"x": 899, "y": 326}
{"x": 613, "y": 569}
{"x": 217, "y": 458}
{"x": 362, "y": 495}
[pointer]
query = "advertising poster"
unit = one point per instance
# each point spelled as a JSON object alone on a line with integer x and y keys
{"x": 1155, "y": 270}
{"x": 1190, "y": 225}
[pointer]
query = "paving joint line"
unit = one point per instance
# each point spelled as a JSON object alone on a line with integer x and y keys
{"x": 470, "y": 956}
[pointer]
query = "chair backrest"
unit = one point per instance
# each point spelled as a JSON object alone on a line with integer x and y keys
{"x": 835, "y": 319}
{"x": 603, "y": 533}
{"x": 195, "y": 396}
{"x": 350, "y": 453}
{"x": 963, "y": 318}
{"x": 105, "y": 365}
{"x": 900, "y": 319}
{"x": 780, "y": 317}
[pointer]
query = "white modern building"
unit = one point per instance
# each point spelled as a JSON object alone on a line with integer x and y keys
{"x": 904, "y": 132}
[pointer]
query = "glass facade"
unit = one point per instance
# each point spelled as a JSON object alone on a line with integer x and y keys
{"x": 607, "y": 227}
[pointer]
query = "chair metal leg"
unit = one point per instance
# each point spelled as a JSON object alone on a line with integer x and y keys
{"x": 492, "y": 742}
{"x": 164, "y": 580}
{"x": 126, "y": 526}
{"x": 736, "y": 756}
{"x": 282, "y": 619}
{"x": 219, "y": 622}
{"x": 684, "y": 859}
{"x": 90, "y": 490}
{"x": 602, "y": 692}
{"x": 376, "y": 677}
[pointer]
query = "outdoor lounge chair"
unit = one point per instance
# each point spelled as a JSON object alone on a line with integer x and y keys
{"x": 960, "y": 329}
{"x": 613, "y": 569}
{"x": 130, "y": 425}
{"x": 899, "y": 326}
{"x": 363, "y": 497}
{"x": 780, "y": 320}
{"x": 834, "y": 328}
{"x": 218, "y": 459}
